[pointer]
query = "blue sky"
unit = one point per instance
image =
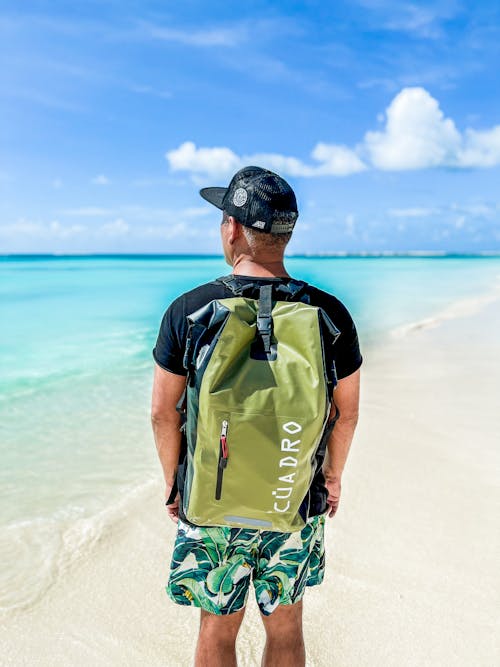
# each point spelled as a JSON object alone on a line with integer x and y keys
{"x": 384, "y": 116}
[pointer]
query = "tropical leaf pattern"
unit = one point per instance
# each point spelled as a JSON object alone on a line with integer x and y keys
{"x": 212, "y": 567}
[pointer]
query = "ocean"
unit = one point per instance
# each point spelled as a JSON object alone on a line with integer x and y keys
{"x": 76, "y": 374}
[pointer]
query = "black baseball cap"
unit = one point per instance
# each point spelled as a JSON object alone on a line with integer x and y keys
{"x": 257, "y": 198}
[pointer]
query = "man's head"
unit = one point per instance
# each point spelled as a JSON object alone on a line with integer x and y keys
{"x": 260, "y": 210}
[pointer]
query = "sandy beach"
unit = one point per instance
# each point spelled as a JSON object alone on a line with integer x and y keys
{"x": 412, "y": 554}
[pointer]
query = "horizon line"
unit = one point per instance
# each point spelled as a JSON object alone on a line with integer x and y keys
{"x": 340, "y": 253}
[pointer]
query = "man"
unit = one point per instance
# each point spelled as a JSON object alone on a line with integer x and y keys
{"x": 259, "y": 213}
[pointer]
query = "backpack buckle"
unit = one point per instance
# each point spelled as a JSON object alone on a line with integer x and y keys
{"x": 264, "y": 324}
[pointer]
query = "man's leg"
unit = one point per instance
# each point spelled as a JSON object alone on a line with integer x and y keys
{"x": 217, "y": 639}
{"x": 299, "y": 559}
{"x": 284, "y": 640}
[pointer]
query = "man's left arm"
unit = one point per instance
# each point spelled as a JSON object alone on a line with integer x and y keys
{"x": 346, "y": 401}
{"x": 165, "y": 420}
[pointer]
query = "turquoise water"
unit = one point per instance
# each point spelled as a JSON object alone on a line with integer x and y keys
{"x": 76, "y": 375}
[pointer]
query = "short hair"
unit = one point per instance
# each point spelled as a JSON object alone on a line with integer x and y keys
{"x": 256, "y": 238}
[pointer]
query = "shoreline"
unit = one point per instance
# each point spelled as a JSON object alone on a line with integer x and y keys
{"x": 411, "y": 554}
{"x": 456, "y": 309}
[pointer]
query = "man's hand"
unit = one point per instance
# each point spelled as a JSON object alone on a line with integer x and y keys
{"x": 333, "y": 486}
{"x": 173, "y": 508}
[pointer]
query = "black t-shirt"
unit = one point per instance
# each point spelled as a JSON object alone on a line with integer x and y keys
{"x": 169, "y": 349}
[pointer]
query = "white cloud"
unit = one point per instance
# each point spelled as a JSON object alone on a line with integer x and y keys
{"x": 280, "y": 163}
{"x": 415, "y": 212}
{"x": 176, "y": 224}
{"x": 481, "y": 148}
{"x": 87, "y": 211}
{"x": 422, "y": 21}
{"x": 378, "y": 82}
{"x": 413, "y": 18}
{"x": 20, "y": 227}
{"x": 116, "y": 228}
{"x": 101, "y": 179}
{"x": 65, "y": 231}
{"x": 195, "y": 212}
{"x": 42, "y": 98}
{"x": 37, "y": 229}
{"x": 416, "y": 135}
{"x": 482, "y": 211}
{"x": 210, "y": 161}
{"x": 477, "y": 210}
{"x": 208, "y": 37}
{"x": 165, "y": 215}
{"x": 222, "y": 161}
{"x": 169, "y": 232}
{"x": 137, "y": 213}
{"x": 350, "y": 224}
{"x": 226, "y": 35}
{"x": 337, "y": 160}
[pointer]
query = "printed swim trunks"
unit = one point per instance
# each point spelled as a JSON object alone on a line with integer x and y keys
{"x": 212, "y": 567}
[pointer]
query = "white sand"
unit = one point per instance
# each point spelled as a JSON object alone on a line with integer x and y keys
{"x": 412, "y": 555}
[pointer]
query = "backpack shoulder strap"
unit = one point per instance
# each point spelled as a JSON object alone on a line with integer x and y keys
{"x": 292, "y": 290}
{"x": 264, "y": 317}
{"x": 235, "y": 286}
{"x": 288, "y": 291}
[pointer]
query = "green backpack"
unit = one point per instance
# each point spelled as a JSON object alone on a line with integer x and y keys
{"x": 256, "y": 405}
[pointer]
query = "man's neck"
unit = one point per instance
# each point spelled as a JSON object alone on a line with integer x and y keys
{"x": 246, "y": 266}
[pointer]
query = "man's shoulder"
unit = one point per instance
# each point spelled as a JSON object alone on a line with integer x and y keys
{"x": 202, "y": 290}
{"x": 328, "y": 302}
{"x": 198, "y": 296}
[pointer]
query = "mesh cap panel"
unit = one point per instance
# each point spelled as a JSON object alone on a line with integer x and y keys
{"x": 257, "y": 198}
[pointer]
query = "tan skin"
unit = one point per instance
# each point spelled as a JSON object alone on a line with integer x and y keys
{"x": 217, "y": 636}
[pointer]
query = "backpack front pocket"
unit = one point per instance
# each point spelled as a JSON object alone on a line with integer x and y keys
{"x": 252, "y": 470}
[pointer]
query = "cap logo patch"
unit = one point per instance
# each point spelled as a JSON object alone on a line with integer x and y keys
{"x": 260, "y": 224}
{"x": 240, "y": 197}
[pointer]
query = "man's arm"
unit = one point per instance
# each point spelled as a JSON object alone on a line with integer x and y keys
{"x": 346, "y": 400}
{"x": 167, "y": 390}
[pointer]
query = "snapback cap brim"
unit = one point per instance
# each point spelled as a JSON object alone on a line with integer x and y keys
{"x": 214, "y": 195}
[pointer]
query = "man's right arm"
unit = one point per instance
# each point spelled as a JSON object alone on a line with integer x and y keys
{"x": 167, "y": 390}
{"x": 346, "y": 401}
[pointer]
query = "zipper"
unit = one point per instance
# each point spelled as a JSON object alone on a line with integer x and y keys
{"x": 221, "y": 466}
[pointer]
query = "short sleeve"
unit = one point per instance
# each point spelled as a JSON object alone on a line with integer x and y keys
{"x": 169, "y": 349}
{"x": 346, "y": 351}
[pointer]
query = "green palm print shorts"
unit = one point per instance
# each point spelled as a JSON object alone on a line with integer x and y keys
{"x": 212, "y": 567}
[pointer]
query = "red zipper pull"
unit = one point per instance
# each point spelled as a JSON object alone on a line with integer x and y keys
{"x": 223, "y": 439}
